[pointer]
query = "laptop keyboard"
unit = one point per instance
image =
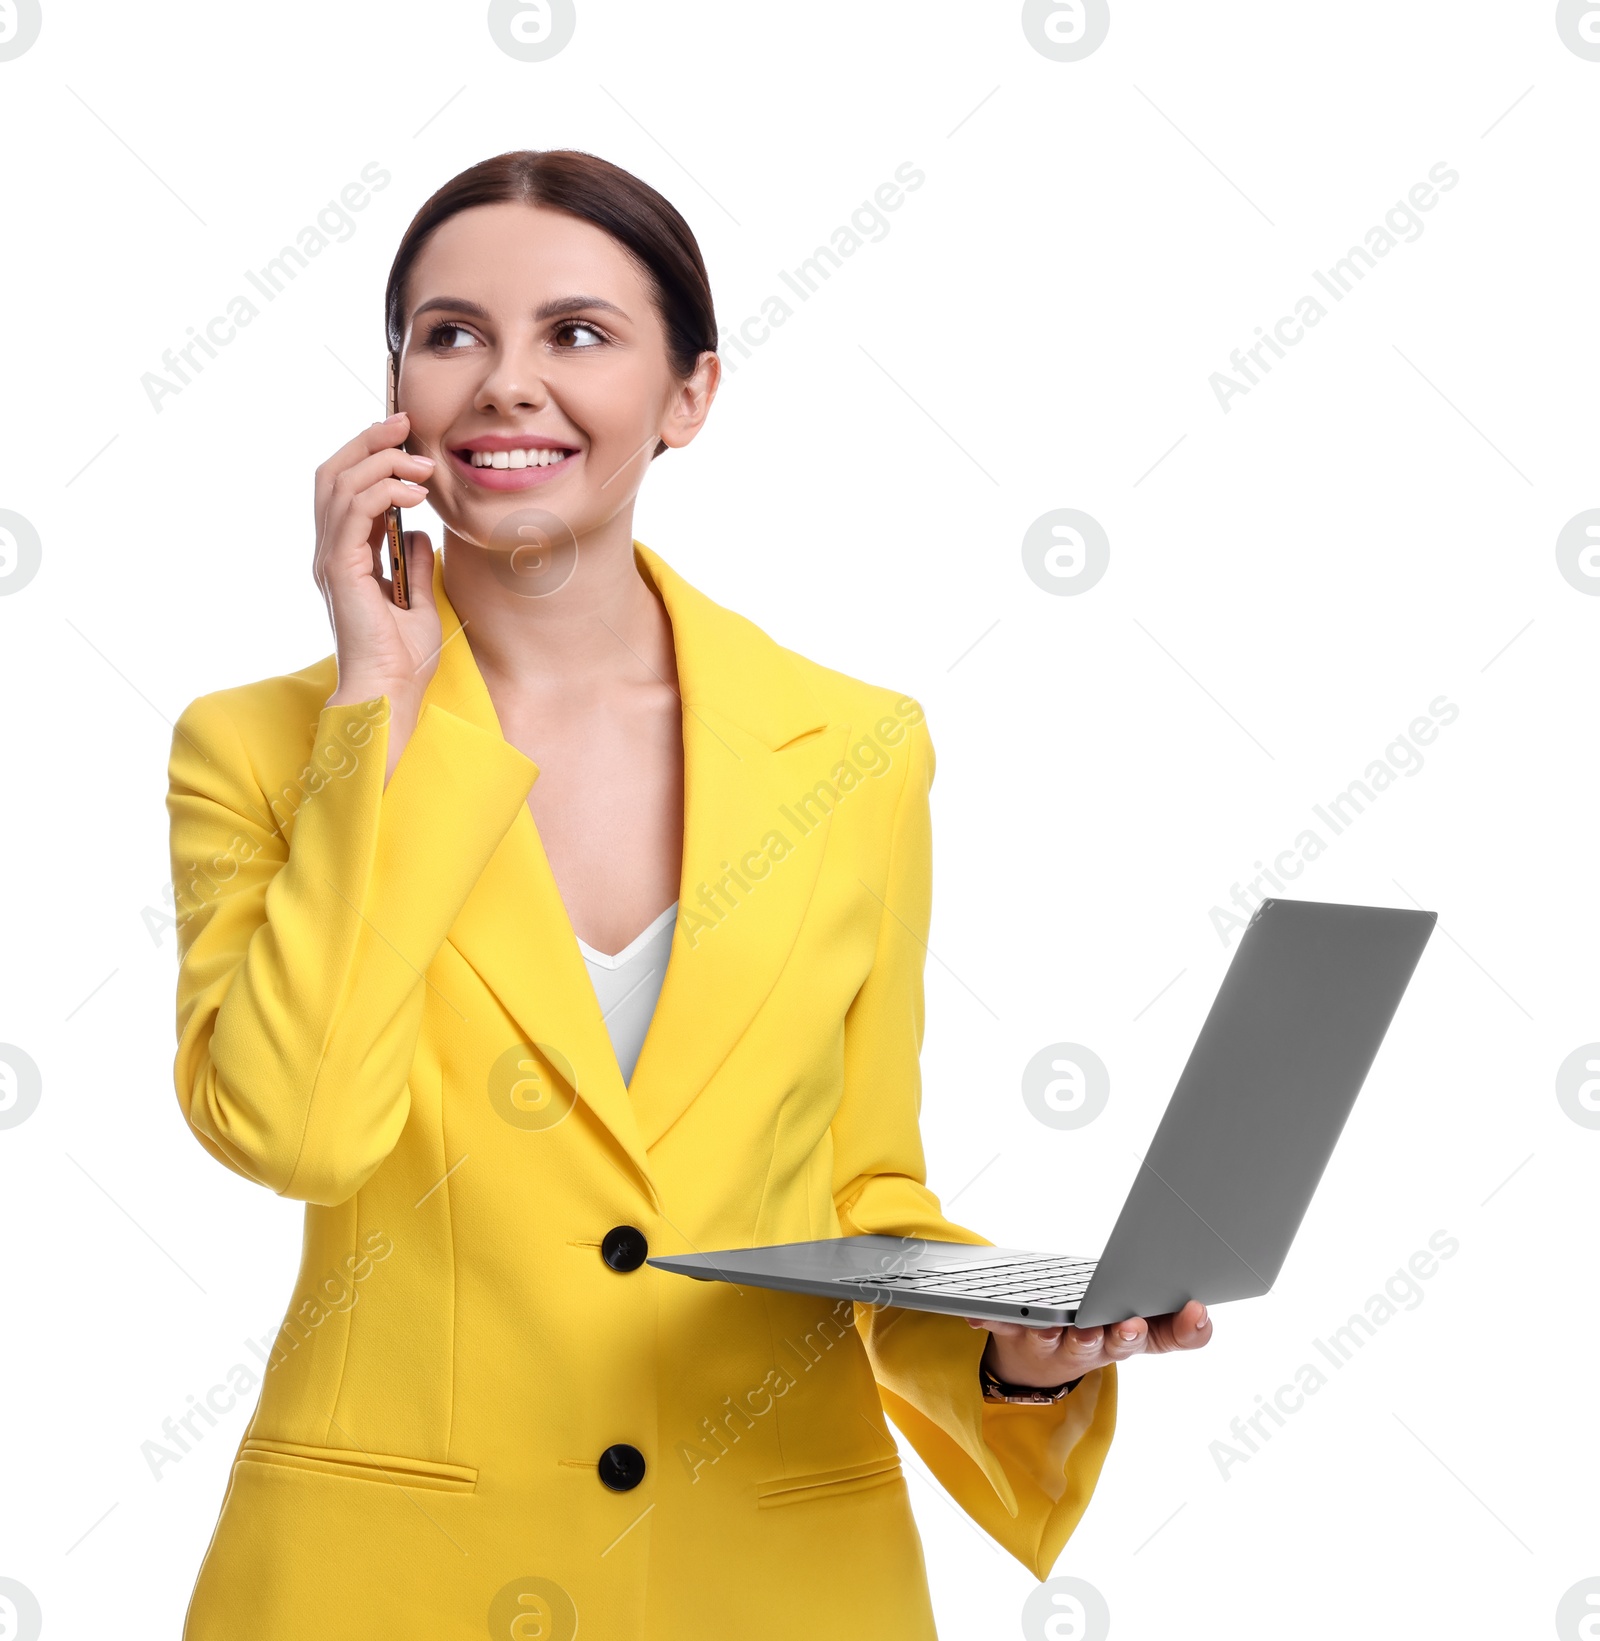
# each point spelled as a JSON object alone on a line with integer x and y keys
{"x": 1043, "y": 1281}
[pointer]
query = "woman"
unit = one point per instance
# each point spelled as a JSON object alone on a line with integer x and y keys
{"x": 404, "y": 873}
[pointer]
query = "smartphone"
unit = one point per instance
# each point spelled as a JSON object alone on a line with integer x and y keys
{"x": 399, "y": 586}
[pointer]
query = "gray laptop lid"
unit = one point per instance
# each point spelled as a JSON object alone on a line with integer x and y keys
{"x": 1254, "y": 1119}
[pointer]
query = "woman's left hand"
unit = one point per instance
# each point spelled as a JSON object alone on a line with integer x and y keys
{"x": 1051, "y": 1356}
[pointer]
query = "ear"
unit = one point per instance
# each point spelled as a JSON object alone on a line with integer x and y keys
{"x": 691, "y": 402}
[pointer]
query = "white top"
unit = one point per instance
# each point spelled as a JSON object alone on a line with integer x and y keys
{"x": 628, "y": 985}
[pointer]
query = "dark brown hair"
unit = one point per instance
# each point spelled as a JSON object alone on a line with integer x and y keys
{"x": 585, "y": 186}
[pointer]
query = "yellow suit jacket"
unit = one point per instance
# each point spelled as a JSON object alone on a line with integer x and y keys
{"x": 383, "y": 1012}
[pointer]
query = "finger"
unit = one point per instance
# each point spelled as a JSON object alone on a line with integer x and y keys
{"x": 369, "y": 439}
{"x": 342, "y": 496}
{"x": 1127, "y": 1338}
{"x": 419, "y": 569}
{"x": 1004, "y": 1330}
{"x": 1040, "y": 1341}
{"x": 1187, "y": 1329}
{"x": 385, "y": 464}
{"x": 1083, "y": 1347}
{"x": 1192, "y": 1326}
{"x": 1037, "y": 1343}
{"x": 362, "y": 521}
{"x": 348, "y": 514}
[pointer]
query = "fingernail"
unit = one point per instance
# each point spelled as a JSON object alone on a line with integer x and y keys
{"x": 399, "y": 415}
{"x": 1129, "y": 1334}
{"x": 427, "y": 459}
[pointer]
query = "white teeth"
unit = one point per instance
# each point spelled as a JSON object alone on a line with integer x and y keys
{"x": 517, "y": 458}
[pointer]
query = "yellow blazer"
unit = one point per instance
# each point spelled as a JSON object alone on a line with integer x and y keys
{"x": 482, "y": 1409}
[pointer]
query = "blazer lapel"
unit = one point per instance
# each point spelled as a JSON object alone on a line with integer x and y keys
{"x": 514, "y": 930}
{"x": 756, "y": 743}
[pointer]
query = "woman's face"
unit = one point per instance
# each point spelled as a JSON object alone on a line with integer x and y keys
{"x": 532, "y": 338}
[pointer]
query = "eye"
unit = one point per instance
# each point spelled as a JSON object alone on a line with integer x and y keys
{"x": 571, "y": 327}
{"x": 436, "y": 337}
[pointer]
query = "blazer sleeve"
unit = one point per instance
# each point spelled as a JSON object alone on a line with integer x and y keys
{"x": 1023, "y": 1472}
{"x": 308, "y": 913}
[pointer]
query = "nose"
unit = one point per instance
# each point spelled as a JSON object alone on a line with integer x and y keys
{"x": 513, "y": 381}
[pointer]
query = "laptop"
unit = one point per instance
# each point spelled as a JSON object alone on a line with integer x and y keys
{"x": 1219, "y": 1195}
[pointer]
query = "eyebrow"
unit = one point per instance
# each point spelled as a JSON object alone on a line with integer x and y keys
{"x": 558, "y": 307}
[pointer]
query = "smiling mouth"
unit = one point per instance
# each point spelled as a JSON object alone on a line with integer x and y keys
{"x": 514, "y": 458}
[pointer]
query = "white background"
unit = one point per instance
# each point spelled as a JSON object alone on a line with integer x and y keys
{"x": 1291, "y": 582}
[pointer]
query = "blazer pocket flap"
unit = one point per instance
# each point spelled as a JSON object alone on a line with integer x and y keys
{"x": 360, "y": 1465}
{"x": 847, "y": 1478}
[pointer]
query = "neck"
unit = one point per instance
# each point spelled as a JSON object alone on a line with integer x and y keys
{"x": 605, "y": 620}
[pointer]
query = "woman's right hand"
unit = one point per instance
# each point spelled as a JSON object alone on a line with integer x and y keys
{"x": 382, "y": 649}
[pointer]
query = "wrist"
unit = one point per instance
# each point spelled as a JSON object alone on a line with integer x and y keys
{"x": 996, "y": 1388}
{"x": 400, "y": 720}
{"x": 402, "y": 697}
